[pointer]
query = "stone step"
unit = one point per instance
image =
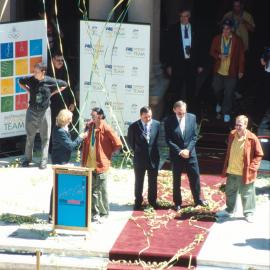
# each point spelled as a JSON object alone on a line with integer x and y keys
{"x": 51, "y": 262}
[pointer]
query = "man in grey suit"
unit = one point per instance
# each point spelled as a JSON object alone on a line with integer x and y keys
{"x": 142, "y": 138}
{"x": 181, "y": 137}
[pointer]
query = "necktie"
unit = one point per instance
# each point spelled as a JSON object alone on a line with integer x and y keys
{"x": 181, "y": 126}
{"x": 186, "y": 32}
{"x": 145, "y": 131}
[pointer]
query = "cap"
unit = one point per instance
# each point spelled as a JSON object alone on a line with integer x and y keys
{"x": 227, "y": 22}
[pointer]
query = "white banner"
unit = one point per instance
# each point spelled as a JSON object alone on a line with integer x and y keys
{"x": 114, "y": 70}
{"x": 22, "y": 45}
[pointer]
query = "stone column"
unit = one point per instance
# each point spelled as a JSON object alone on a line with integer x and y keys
{"x": 142, "y": 11}
{"x": 100, "y": 9}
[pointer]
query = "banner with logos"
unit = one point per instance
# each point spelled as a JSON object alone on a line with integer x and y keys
{"x": 22, "y": 45}
{"x": 114, "y": 70}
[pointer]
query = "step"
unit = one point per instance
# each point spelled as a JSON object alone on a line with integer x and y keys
{"x": 51, "y": 262}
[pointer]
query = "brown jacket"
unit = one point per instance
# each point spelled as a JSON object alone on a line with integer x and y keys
{"x": 237, "y": 61}
{"x": 253, "y": 154}
{"x": 106, "y": 143}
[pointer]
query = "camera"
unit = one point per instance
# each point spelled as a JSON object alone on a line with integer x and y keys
{"x": 187, "y": 50}
{"x": 266, "y": 54}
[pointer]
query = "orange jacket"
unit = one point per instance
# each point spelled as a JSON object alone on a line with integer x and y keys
{"x": 237, "y": 61}
{"x": 253, "y": 154}
{"x": 106, "y": 143}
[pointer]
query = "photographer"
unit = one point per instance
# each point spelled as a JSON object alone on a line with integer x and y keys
{"x": 264, "y": 126}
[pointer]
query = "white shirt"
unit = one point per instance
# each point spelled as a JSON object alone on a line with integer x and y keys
{"x": 186, "y": 41}
{"x": 182, "y": 124}
{"x": 148, "y": 129}
{"x": 267, "y": 67}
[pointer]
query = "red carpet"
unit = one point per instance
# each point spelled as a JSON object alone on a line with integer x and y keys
{"x": 164, "y": 236}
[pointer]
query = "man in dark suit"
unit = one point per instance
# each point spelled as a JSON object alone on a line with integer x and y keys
{"x": 142, "y": 138}
{"x": 184, "y": 59}
{"x": 181, "y": 137}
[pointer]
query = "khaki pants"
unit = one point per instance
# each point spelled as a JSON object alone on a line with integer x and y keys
{"x": 235, "y": 185}
{"x": 100, "y": 204}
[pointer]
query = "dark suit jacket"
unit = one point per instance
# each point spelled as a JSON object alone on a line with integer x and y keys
{"x": 176, "y": 141}
{"x": 175, "y": 54}
{"x": 145, "y": 154}
{"x": 62, "y": 145}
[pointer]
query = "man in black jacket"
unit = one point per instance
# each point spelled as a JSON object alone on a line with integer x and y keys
{"x": 184, "y": 59}
{"x": 143, "y": 140}
{"x": 38, "y": 115}
{"x": 181, "y": 137}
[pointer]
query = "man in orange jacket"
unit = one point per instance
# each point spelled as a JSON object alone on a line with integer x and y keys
{"x": 227, "y": 51}
{"x": 242, "y": 162}
{"x": 97, "y": 152}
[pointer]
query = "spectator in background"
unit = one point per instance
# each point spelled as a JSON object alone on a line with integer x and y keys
{"x": 183, "y": 59}
{"x": 97, "y": 152}
{"x": 60, "y": 100}
{"x": 242, "y": 162}
{"x": 38, "y": 115}
{"x": 264, "y": 97}
{"x": 228, "y": 53}
{"x": 242, "y": 22}
{"x": 265, "y": 62}
{"x": 143, "y": 140}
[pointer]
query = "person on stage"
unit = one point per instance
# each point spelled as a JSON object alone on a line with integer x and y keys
{"x": 181, "y": 137}
{"x": 38, "y": 115}
{"x": 143, "y": 140}
{"x": 97, "y": 151}
{"x": 62, "y": 145}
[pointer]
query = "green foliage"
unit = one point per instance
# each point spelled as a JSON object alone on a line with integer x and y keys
{"x": 18, "y": 219}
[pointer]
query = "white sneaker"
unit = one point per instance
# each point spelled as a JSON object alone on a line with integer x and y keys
{"x": 227, "y": 118}
{"x": 224, "y": 214}
{"x": 218, "y": 108}
{"x": 250, "y": 219}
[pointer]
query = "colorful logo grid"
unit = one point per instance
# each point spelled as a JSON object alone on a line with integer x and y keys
{"x": 7, "y": 104}
{"x": 21, "y": 49}
{"x": 21, "y": 102}
{"x": 17, "y": 59}
{"x": 33, "y": 61}
{"x": 35, "y": 47}
{"x": 6, "y": 50}
{"x": 21, "y": 66}
{"x": 18, "y": 89}
{"x": 7, "y": 87}
{"x": 6, "y": 68}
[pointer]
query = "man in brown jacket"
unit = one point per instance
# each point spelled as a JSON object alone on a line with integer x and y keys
{"x": 97, "y": 152}
{"x": 242, "y": 162}
{"x": 228, "y": 53}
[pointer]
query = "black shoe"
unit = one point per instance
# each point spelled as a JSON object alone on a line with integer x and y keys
{"x": 25, "y": 163}
{"x": 50, "y": 219}
{"x": 137, "y": 207}
{"x": 43, "y": 166}
{"x": 202, "y": 203}
{"x": 177, "y": 208}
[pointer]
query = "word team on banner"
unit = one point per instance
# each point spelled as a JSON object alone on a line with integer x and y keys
{"x": 22, "y": 45}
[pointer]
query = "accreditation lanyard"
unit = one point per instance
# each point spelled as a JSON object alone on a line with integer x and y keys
{"x": 93, "y": 137}
{"x": 226, "y": 45}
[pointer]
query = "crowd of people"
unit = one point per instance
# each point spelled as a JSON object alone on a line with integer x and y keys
{"x": 52, "y": 102}
{"x": 187, "y": 62}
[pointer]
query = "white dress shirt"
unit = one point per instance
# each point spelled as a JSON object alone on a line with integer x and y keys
{"x": 186, "y": 41}
{"x": 182, "y": 124}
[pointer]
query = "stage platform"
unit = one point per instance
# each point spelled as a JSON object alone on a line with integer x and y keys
{"x": 25, "y": 191}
